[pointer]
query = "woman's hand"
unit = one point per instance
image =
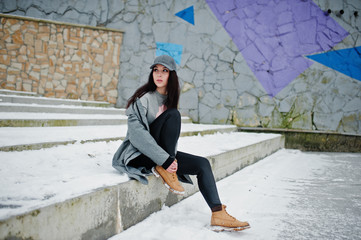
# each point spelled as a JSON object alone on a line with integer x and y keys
{"x": 173, "y": 167}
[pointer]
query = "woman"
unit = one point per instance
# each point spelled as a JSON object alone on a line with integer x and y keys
{"x": 154, "y": 125}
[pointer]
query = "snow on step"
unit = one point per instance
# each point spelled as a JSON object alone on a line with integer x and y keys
{"x": 34, "y": 179}
{"x": 17, "y": 93}
{"x": 24, "y": 119}
{"x": 49, "y": 101}
{"x": 57, "y": 116}
{"x": 22, "y": 107}
{"x": 33, "y": 135}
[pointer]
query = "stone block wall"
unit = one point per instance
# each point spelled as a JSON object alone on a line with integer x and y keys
{"x": 236, "y": 77}
{"x": 59, "y": 60}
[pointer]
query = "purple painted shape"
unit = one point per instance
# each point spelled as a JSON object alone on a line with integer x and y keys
{"x": 274, "y": 35}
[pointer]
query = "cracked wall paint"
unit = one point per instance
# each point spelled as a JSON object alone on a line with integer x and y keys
{"x": 274, "y": 36}
{"x": 219, "y": 85}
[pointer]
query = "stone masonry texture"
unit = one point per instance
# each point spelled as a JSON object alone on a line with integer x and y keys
{"x": 59, "y": 60}
{"x": 218, "y": 84}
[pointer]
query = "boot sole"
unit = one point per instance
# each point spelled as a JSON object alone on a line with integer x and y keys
{"x": 228, "y": 229}
{"x": 156, "y": 174}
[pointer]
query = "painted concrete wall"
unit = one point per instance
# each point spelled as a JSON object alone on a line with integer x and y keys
{"x": 279, "y": 64}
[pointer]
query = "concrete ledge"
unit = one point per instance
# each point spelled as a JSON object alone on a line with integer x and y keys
{"x": 59, "y": 122}
{"x": 40, "y": 145}
{"x": 77, "y": 218}
{"x": 110, "y": 210}
{"x": 34, "y": 146}
{"x": 20, "y": 93}
{"x": 230, "y": 162}
{"x": 59, "y": 23}
{"x": 11, "y": 107}
{"x": 51, "y": 101}
{"x": 320, "y": 141}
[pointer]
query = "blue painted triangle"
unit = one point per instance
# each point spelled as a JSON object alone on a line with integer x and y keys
{"x": 187, "y": 14}
{"x": 346, "y": 61}
{"x": 171, "y": 49}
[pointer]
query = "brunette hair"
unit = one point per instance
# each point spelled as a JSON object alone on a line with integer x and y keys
{"x": 173, "y": 90}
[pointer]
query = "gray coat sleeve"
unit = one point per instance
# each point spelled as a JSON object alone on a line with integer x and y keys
{"x": 140, "y": 136}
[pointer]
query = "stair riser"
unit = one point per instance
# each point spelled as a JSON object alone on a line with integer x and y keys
{"x": 50, "y": 101}
{"x": 40, "y": 109}
{"x": 59, "y": 122}
{"x": 18, "y": 93}
{"x": 37, "y": 146}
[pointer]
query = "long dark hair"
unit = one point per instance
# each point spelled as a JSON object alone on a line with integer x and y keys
{"x": 173, "y": 90}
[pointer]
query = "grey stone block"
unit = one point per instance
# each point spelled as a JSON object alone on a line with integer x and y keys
{"x": 321, "y": 107}
{"x": 189, "y": 100}
{"x": 186, "y": 74}
{"x": 9, "y": 5}
{"x": 204, "y": 23}
{"x": 246, "y": 100}
{"x": 129, "y": 17}
{"x": 228, "y": 74}
{"x": 351, "y": 122}
{"x": 210, "y": 75}
{"x": 160, "y": 13}
{"x": 213, "y": 61}
{"x": 35, "y": 13}
{"x": 132, "y": 33}
{"x": 210, "y": 100}
{"x": 303, "y": 121}
{"x": 216, "y": 93}
{"x": 221, "y": 115}
{"x": 327, "y": 122}
{"x": 205, "y": 113}
{"x": 195, "y": 45}
{"x": 196, "y": 64}
{"x": 286, "y": 103}
{"x": 160, "y": 31}
{"x": 246, "y": 117}
{"x": 304, "y": 103}
{"x": 227, "y": 55}
{"x": 178, "y": 34}
{"x": 115, "y": 8}
{"x": 265, "y": 110}
{"x": 199, "y": 76}
{"x": 353, "y": 105}
{"x": 229, "y": 97}
{"x": 221, "y": 37}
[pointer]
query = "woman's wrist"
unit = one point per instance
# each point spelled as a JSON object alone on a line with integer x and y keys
{"x": 168, "y": 162}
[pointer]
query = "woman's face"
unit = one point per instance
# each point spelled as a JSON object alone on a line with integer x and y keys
{"x": 160, "y": 76}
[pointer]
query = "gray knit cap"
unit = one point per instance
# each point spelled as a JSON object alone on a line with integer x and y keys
{"x": 166, "y": 61}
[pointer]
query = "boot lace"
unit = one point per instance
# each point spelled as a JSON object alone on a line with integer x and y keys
{"x": 174, "y": 176}
{"x": 233, "y": 218}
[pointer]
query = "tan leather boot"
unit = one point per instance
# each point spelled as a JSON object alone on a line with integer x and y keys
{"x": 225, "y": 221}
{"x": 170, "y": 180}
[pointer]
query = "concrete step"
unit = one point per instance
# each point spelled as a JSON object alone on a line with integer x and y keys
{"x": 30, "y": 119}
{"x": 18, "y": 93}
{"x": 50, "y": 101}
{"x": 36, "y": 108}
{"x": 111, "y": 203}
{"x": 32, "y": 138}
{"x": 25, "y": 119}
{"x": 31, "y": 111}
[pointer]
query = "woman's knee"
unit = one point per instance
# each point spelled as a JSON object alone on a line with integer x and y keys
{"x": 173, "y": 112}
{"x": 204, "y": 164}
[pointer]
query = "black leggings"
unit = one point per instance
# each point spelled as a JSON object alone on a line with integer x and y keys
{"x": 166, "y": 129}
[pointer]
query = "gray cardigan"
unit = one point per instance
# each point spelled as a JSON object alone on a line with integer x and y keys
{"x": 137, "y": 141}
